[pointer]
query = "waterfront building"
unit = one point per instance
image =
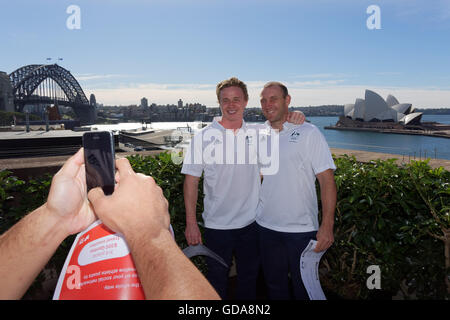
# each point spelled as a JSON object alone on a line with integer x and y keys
{"x": 373, "y": 108}
{"x": 144, "y": 103}
{"x": 6, "y": 93}
{"x": 92, "y": 100}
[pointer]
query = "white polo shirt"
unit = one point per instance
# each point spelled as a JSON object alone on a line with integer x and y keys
{"x": 231, "y": 180}
{"x": 288, "y": 201}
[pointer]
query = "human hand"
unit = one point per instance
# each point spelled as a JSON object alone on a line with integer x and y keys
{"x": 67, "y": 198}
{"x": 296, "y": 117}
{"x": 325, "y": 238}
{"x": 136, "y": 204}
{"x": 193, "y": 234}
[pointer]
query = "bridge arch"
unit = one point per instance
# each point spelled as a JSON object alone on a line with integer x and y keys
{"x": 27, "y": 79}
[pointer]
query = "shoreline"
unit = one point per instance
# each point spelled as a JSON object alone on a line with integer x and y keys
{"x": 367, "y": 156}
{"x": 438, "y": 134}
{"x": 23, "y": 167}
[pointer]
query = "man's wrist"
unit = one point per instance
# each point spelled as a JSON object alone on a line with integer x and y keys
{"x": 53, "y": 228}
{"x": 326, "y": 224}
{"x": 148, "y": 231}
{"x": 191, "y": 219}
{"x": 138, "y": 238}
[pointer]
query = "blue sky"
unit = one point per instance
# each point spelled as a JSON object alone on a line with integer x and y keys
{"x": 170, "y": 49}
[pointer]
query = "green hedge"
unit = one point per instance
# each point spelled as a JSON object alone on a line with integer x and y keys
{"x": 7, "y": 117}
{"x": 396, "y": 217}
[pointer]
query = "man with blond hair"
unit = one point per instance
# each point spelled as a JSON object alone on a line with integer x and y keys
{"x": 231, "y": 189}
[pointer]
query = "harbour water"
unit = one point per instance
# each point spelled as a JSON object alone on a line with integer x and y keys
{"x": 413, "y": 146}
{"x": 409, "y": 146}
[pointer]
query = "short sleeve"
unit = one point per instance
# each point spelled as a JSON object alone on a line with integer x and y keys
{"x": 319, "y": 152}
{"x": 193, "y": 160}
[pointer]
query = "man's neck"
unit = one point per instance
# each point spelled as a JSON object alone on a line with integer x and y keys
{"x": 278, "y": 124}
{"x": 233, "y": 125}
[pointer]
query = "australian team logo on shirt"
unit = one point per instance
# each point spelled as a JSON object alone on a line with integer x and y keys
{"x": 249, "y": 140}
{"x": 294, "y": 136}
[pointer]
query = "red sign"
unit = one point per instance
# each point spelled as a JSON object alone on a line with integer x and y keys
{"x": 99, "y": 267}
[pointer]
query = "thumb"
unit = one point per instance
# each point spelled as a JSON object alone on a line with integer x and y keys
{"x": 96, "y": 198}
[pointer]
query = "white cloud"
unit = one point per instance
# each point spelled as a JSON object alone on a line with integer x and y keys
{"x": 157, "y": 93}
{"x": 388, "y": 73}
{"x": 303, "y": 94}
{"x": 420, "y": 98}
{"x": 323, "y": 75}
{"x": 91, "y": 76}
{"x": 419, "y": 11}
{"x": 444, "y": 13}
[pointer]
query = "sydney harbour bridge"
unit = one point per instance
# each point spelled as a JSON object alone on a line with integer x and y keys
{"x": 46, "y": 84}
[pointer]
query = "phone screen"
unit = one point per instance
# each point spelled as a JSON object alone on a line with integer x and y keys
{"x": 99, "y": 160}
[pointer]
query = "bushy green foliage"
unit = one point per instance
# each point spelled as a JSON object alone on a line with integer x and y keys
{"x": 387, "y": 215}
{"x": 8, "y": 185}
{"x": 382, "y": 218}
{"x": 6, "y": 117}
{"x": 18, "y": 198}
{"x": 168, "y": 176}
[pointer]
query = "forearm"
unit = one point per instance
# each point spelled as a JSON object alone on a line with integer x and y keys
{"x": 158, "y": 261}
{"x": 25, "y": 249}
{"x": 328, "y": 195}
{"x": 328, "y": 199}
{"x": 190, "y": 191}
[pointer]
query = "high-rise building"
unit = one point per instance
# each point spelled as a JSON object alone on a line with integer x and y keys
{"x": 144, "y": 103}
{"x": 92, "y": 100}
{"x": 180, "y": 103}
{"x": 6, "y": 93}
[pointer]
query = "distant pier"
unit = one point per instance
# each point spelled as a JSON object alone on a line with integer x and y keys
{"x": 27, "y": 167}
{"x": 430, "y": 129}
{"x": 429, "y": 133}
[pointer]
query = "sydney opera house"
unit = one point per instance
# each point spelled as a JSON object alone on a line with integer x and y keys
{"x": 373, "y": 108}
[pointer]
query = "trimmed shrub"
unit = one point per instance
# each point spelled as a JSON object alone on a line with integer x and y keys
{"x": 395, "y": 217}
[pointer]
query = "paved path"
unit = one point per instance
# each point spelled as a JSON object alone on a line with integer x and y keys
{"x": 366, "y": 156}
{"x": 57, "y": 161}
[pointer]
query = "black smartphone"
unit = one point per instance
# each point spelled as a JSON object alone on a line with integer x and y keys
{"x": 99, "y": 160}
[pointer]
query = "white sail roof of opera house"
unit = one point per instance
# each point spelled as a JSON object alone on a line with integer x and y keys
{"x": 360, "y": 108}
{"x": 374, "y": 108}
{"x": 391, "y": 100}
{"x": 348, "y": 108}
{"x": 412, "y": 117}
{"x": 390, "y": 115}
{"x": 402, "y": 108}
{"x": 375, "y": 105}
